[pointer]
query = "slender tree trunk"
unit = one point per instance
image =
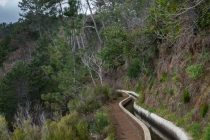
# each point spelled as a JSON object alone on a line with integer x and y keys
{"x": 61, "y": 9}
{"x": 192, "y": 15}
{"x": 83, "y": 44}
{"x": 74, "y": 59}
{"x": 91, "y": 14}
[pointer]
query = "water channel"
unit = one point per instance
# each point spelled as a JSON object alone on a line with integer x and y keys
{"x": 156, "y": 132}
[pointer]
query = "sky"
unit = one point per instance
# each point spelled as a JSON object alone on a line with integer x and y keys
{"x": 9, "y": 10}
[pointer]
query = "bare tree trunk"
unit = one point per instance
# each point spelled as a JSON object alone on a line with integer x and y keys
{"x": 83, "y": 44}
{"x": 74, "y": 59}
{"x": 91, "y": 14}
{"x": 193, "y": 16}
{"x": 40, "y": 34}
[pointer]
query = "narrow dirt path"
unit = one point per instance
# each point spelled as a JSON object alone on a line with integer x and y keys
{"x": 124, "y": 128}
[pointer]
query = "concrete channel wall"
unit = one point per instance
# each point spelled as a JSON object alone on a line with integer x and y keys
{"x": 139, "y": 125}
{"x": 168, "y": 126}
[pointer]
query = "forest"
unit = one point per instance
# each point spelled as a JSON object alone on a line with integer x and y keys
{"x": 61, "y": 65}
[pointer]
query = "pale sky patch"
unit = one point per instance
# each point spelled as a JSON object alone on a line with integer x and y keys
{"x": 9, "y": 10}
{"x": 3, "y": 2}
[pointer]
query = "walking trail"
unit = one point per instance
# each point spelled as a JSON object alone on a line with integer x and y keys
{"x": 124, "y": 127}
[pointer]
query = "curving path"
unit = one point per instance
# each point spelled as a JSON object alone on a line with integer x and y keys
{"x": 125, "y": 128}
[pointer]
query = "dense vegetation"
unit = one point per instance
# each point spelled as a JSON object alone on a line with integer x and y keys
{"x": 59, "y": 65}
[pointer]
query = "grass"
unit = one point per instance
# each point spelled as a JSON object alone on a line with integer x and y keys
{"x": 195, "y": 71}
{"x": 194, "y": 128}
{"x": 185, "y": 96}
{"x": 138, "y": 87}
{"x": 163, "y": 77}
{"x": 204, "y": 109}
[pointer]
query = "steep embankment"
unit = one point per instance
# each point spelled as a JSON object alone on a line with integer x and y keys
{"x": 178, "y": 89}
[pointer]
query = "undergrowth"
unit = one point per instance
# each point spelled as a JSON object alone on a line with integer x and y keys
{"x": 195, "y": 70}
{"x": 204, "y": 109}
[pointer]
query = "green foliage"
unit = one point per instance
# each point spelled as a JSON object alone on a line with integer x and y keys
{"x": 151, "y": 109}
{"x": 203, "y": 21}
{"x": 138, "y": 87}
{"x": 141, "y": 98}
{"x": 70, "y": 127}
{"x": 204, "y": 109}
{"x": 163, "y": 77}
{"x": 174, "y": 77}
{"x": 95, "y": 97}
{"x": 195, "y": 70}
{"x": 101, "y": 121}
{"x": 151, "y": 82}
{"x": 207, "y": 133}
{"x": 117, "y": 47}
{"x": 194, "y": 129}
{"x": 203, "y": 56}
{"x": 185, "y": 96}
{"x": 156, "y": 92}
{"x": 168, "y": 91}
{"x": 134, "y": 69}
{"x": 104, "y": 90}
{"x": 12, "y": 87}
{"x": 54, "y": 101}
{"x": 5, "y": 48}
{"x": 160, "y": 22}
{"x": 4, "y": 132}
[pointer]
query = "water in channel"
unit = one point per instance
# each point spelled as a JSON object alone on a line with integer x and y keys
{"x": 155, "y": 133}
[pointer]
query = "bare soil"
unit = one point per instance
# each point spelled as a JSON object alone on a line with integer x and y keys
{"x": 124, "y": 127}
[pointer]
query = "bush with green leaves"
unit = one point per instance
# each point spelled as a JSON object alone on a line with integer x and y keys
{"x": 163, "y": 77}
{"x": 195, "y": 70}
{"x": 160, "y": 22}
{"x": 204, "y": 109}
{"x": 138, "y": 87}
{"x": 207, "y": 133}
{"x": 117, "y": 46}
{"x": 151, "y": 82}
{"x": 4, "y": 132}
{"x": 101, "y": 121}
{"x": 203, "y": 21}
{"x": 141, "y": 98}
{"x": 70, "y": 127}
{"x": 134, "y": 69}
{"x": 185, "y": 96}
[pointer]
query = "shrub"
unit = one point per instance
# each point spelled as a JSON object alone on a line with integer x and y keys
{"x": 4, "y": 133}
{"x": 156, "y": 92}
{"x": 151, "y": 83}
{"x": 138, "y": 87}
{"x": 194, "y": 129}
{"x": 163, "y": 77}
{"x": 104, "y": 90}
{"x": 195, "y": 70}
{"x": 70, "y": 127}
{"x": 207, "y": 133}
{"x": 142, "y": 98}
{"x": 203, "y": 109}
{"x": 134, "y": 69}
{"x": 204, "y": 22}
{"x": 185, "y": 96}
{"x": 101, "y": 121}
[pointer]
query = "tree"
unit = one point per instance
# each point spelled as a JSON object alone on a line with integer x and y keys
{"x": 95, "y": 26}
